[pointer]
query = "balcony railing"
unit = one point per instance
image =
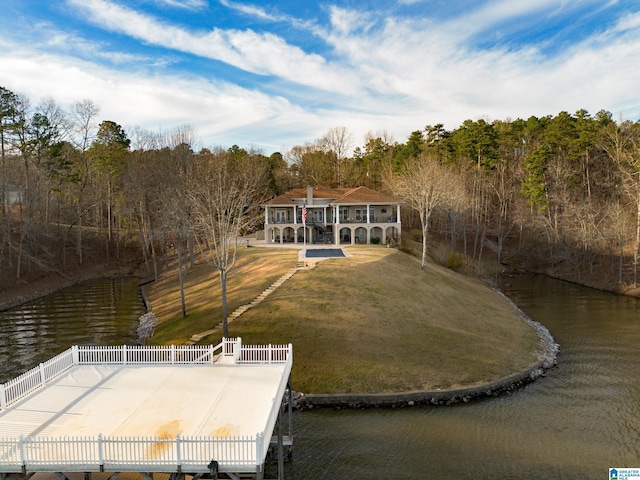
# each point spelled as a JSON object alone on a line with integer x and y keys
{"x": 377, "y": 219}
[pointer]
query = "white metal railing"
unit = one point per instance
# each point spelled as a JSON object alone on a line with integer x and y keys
{"x": 115, "y": 454}
{"x": 21, "y": 386}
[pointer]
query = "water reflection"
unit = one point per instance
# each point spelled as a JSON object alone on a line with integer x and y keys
{"x": 103, "y": 311}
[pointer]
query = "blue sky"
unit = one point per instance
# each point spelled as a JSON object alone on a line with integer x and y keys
{"x": 279, "y": 74}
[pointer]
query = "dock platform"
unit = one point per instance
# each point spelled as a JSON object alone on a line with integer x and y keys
{"x": 197, "y": 410}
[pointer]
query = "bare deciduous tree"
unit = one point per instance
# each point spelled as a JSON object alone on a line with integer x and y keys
{"x": 83, "y": 128}
{"x": 424, "y": 184}
{"x": 338, "y": 141}
{"x": 224, "y": 192}
{"x": 622, "y": 145}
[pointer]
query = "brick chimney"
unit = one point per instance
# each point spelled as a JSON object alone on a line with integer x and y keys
{"x": 309, "y": 195}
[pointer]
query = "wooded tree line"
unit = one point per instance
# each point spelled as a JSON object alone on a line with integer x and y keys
{"x": 556, "y": 193}
{"x": 561, "y": 192}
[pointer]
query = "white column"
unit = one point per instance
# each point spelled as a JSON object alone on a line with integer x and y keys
{"x": 368, "y": 217}
{"x": 295, "y": 216}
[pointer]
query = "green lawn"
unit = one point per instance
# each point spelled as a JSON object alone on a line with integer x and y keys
{"x": 371, "y": 322}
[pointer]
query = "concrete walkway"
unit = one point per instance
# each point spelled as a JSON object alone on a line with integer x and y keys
{"x": 302, "y": 263}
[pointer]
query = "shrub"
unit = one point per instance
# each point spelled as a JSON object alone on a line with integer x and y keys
{"x": 454, "y": 261}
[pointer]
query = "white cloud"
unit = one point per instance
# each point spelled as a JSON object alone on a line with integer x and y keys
{"x": 187, "y": 4}
{"x": 628, "y": 22}
{"x": 345, "y": 21}
{"x": 216, "y": 109}
{"x": 432, "y": 68}
{"x": 261, "y": 53}
{"x": 69, "y": 42}
{"x": 251, "y": 10}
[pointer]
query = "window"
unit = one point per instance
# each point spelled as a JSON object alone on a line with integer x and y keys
{"x": 281, "y": 216}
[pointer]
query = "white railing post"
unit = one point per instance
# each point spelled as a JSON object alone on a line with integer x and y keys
{"x": 173, "y": 354}
{"x": 100, "y": 451}
{"x": 178, "y": 454}
{"x": 124, "y": 354}
{"x": 236, "y": 350}
{"x": 270, "y": 354}
{"x": 23, "y": 461}
{"x": 3, "y": 397}
{"x": 75, "y": 355}
{"x": 43, "y": 377}
{"x": 259, "y": 447}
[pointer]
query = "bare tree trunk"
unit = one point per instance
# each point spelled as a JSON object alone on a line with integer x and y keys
{"x": 223, "y": 284}
{"x": 424, "y": 218}
{"x": 192, "y": 252}
{"x": 143, "y": 243}
{"x": 152, "y": 241}
{"x": 181, "y": 278}
{"x": 620, "y": 264}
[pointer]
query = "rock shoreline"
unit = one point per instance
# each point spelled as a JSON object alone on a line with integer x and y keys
{"x": 548, "y": 352}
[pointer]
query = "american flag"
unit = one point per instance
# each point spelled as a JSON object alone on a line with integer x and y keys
{"x": 304, "y": 215}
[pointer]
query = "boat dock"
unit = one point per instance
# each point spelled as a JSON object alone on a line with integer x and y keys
{"x": 183, "y": 410}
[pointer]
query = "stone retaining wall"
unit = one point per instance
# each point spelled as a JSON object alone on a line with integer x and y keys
{"x": 501, "y": 386}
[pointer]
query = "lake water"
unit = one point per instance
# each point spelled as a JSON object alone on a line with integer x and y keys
{"x": 103, "y": 311}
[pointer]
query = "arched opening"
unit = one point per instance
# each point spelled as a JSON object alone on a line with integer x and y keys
{"x": 392, "y": 236}
{"x": 275, "y": 235}
{"x": 288, "y": 235}
{"x": 376, "y": 235}
{"x": 345, "y": 235}
{"x": 300, "y": 234}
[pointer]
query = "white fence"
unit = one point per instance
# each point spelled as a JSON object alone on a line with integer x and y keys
{"x": 159, "y": 454}
{"x": 21, "y": 386}
{"x": 119, "y": 454}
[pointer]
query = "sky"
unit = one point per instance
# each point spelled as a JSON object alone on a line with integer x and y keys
{"x": 273, "y": 75}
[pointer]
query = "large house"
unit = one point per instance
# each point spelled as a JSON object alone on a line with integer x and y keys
{"x": 333, "y": 216}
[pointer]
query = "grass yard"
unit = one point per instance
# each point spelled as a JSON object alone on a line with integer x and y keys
{"x": 370, "y": 322}
{"x": 255, "y": 270}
